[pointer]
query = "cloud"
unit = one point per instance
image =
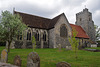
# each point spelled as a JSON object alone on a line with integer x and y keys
{"x": 52, "y": 8}
{"x": 72, "y": 3}
{"x": 93, "y": 6}
{"x": 96, "y": 17}
{"x": 37, "y": 9}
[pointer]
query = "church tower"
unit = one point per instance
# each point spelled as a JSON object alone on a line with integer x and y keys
{"x": 84, "y": 19}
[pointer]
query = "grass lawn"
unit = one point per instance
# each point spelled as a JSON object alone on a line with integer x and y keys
{"x": 49, "y": 57}
{"x": 93, "y": 48}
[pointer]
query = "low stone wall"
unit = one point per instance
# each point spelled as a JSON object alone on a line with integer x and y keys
{"x": 18, "y": 44}
{"x": 93, "y": 45}
{"x": 92, "y": 50}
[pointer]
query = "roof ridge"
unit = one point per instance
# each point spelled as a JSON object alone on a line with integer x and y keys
{"x": 33, "y": 15}
{"x": 58, "y": 15}
{"x": 75, "y": 24}
{"x": 54, "y": 20}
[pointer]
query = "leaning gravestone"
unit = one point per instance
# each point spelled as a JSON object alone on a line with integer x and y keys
{"x": 17, "y": 61}
{"x": 63, "y": 64}
{"x": 4, "y": 56}
{"x": 33, "y": 60}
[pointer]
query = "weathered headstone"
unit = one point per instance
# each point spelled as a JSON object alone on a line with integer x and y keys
{"x": 4, "y": 56}
{"x": 63, "y": 64}
{"x": 33, "y": 60}
{"x": 68, "y": 47}
{"x": 17, "y": 61}
{"x": 59, "y": 47}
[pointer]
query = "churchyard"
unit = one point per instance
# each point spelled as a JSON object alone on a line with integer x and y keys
{"x": 50, "y": 57}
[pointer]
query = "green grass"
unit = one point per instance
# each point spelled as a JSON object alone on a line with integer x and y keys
{"x": 49, "y": 57}
{"x": 93, "y": 48}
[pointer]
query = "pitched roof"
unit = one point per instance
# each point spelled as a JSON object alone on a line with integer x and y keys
{"x": 81, "y": 32}
{"x": 54, "y": 20}
{"x": 38, "y": 22}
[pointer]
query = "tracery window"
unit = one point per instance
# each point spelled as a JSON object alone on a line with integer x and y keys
{"x": 29, "y": 35}
{"x": 63, "y": 31}
{"x": 37, "y": 36}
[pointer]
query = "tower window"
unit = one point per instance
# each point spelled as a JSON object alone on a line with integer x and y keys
{"x": 89, "y": 19}
{"x": 63, "y": 31}
{"x": 90, "y": 27}
{"x": 80, "y": 19}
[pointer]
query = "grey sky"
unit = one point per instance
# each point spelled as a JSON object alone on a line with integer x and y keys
{"x": 52, "y": 8}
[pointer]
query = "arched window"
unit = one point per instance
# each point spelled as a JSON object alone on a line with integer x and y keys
{"x": 29, "y": 35}
{"x": 44, "y": 36}
{"x": 37, "y": 36}
{"x": 63, "y": 31}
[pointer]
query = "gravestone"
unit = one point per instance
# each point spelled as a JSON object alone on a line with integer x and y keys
{"x": 63, "y": 64}
{"x": 59, "y": 47}
{"x": 68, "y": 47}
{"x": 33, "y": 60}
{"x": 4, "y": 56}
{"x": 17, "y": 61}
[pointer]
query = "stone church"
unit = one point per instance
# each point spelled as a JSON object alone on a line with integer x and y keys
{"x": 51, "y": 32}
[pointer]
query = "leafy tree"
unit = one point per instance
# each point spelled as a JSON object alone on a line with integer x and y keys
{"x": 10, "y": 26}
{"x": 97, "y": 29}
{"x": 74, "y": 42}
{"x": 34, "y": 43}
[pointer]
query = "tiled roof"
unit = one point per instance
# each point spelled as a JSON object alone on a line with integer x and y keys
{"x": 38, "y": 22}
{"x": 81, "y": 32}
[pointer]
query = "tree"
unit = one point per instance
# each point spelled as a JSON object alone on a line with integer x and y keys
{"x": 97, "y": 33}
{"x": 74, "y": 42}
{"x": 34, "y": 43}
{"x": 10, "y": 26}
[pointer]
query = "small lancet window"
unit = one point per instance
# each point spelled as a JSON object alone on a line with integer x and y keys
{"x": 44, "y": 36}
{"x": 37, "y": 36}
{"x": 29, "y": 35}
{"x": 89, "y": 19}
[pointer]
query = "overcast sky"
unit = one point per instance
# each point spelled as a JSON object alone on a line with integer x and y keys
{"x": 52, "y": 8}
